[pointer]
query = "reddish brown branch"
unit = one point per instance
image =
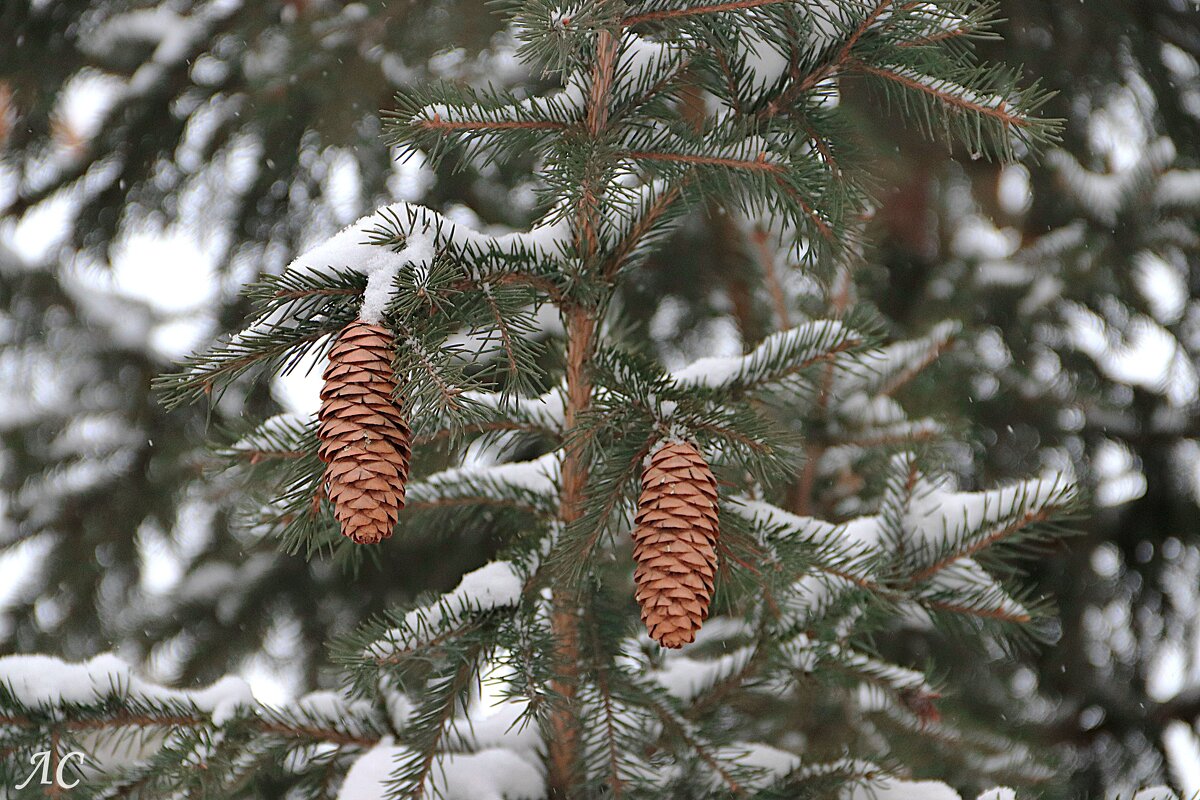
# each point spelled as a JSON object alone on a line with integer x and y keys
{"x": 766, "y": 262}
{"x": 829, "y": 68}
{"x": 982, "y": 613}
{"x": 982, "y": 543}
{"x": 905, "y": 376}
{"x": 759, "y": 164}
{"x": 450, "y": 126}
{"x": 999, "y": 112}
{"x": 640, "y": 230}
{"x": 564, "y": 747}
{"x": 712, "y": 8}
{"x": 937, "y": 37}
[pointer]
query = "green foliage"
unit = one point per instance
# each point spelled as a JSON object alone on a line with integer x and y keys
{"x": 662, "y": 107}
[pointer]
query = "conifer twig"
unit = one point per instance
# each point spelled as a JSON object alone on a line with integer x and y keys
{"x": 564, "y": 745}
{"x": 999, "y": 111}
{"x": 694, "y": 11}
{"x": 972, "y": 547}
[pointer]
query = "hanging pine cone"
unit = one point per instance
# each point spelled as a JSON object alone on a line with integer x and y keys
{"x": 365, "y": 440}
{"x": 675, "y": 543}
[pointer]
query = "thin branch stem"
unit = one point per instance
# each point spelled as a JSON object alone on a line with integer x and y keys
{"x": 766, "y": 262}
{"x": 436, "y": 123}
{"x": 565, "y": 744}
{"x": 999, "y": 111}
{"x": 694, "y": 11}
{"x": 982, "y": 543}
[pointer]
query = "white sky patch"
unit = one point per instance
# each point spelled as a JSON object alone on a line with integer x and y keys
{"x": 168, "y": 284}
{"x": 266, "y": 684}
{"x": 643, "y": 62}
{"x": 1119, "y": 129}
{"x": 272, "y": 673}
{"x": 161, "y": 568}
{"x": 16, "y": 565}
{"x": 765, "y": 62}
{"x": 493, "y": 681}
{"x": 299, "y": 391}
{"x": 1178, "y": 188}
{"x": 1168, "y": 672}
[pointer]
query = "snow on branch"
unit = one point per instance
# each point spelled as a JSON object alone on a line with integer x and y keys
{"x": 942, "y": 532}
{"x": 282, "y": 436}
{"x": 491, "y": 774}
{"x": 780, "y": 356}
{"x": 38, "y": 681}
{"x": 644, "y": 65}
{"x": 883, "y": 371}
{"x": 936, "y": 516}
{"x": 1178, "y": 188}
{"x": 399, "y": 248}
{"x": 493, "y": 586}
{"x": 686, "y": 678}
{"x": 838, "y": 558}
{"x": 948, "y": 92}
{"x": 363, "y": 245}
{"x": 1104, "y": 195}
{"x": 662, "y": 12}
{"x": 546, "y": 411}
{"x": 888, "y": 788}
{"x": 525, "y": 484}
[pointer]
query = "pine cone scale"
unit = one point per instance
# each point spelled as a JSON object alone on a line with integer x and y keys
{"x": 675, "y": 544}
{"x": 365, "y": 440}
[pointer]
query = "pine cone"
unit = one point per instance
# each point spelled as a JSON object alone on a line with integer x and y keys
{"x": 365, "y": 440}
{"x": 675, "y": 544}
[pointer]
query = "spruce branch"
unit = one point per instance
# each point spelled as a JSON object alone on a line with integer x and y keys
{"x": 682, "y": 12}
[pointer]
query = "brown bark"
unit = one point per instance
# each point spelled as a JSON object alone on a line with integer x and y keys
{"x": 563, "y": 748}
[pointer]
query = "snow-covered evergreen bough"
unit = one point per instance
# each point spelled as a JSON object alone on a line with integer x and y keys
{"x": 534, "y": 677}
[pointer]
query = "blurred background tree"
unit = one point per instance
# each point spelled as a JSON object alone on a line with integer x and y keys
{"x": 158, "y": 155}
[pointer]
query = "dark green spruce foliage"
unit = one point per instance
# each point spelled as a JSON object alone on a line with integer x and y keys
{"x": 665, "y": 109}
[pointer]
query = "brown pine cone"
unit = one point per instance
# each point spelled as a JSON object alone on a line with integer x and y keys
{"x": 365, "y": 441}
{"x": 675, "y": 544}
